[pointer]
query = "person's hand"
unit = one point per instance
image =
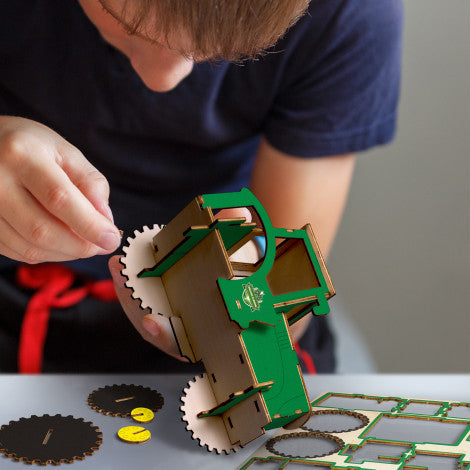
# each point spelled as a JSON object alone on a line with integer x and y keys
{"x": 53, "y": 202}
{"x": 155, "y": 328}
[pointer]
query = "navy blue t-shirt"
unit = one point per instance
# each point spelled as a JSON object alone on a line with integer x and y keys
{"x": 329, "y": 87}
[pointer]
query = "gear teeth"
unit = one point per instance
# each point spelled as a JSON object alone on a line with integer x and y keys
{"x": 211, "y": 439}
{"x": 295, "y": 435}
{"x": 103, "y": 399}
{"x": 138, "y": 254}
{"x": 87, "y": 439}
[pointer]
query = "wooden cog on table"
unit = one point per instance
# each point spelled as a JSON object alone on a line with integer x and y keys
{"x": 49, "y": 439}
{"x": 210, "y": 431}
{"x": 320, "y": 437}
{"x": 134, "y": 434}
{"x": 120, "y": 400}
{"x": 142, "y": 415}
{"x": 362, "y": 420}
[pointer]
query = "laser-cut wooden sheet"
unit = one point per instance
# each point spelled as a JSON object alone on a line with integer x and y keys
{"x": 352, "y": 431}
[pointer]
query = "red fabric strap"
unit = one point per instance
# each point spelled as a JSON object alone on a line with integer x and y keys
{"x": 53, "y": 290}
{"x": 306, "y": 358}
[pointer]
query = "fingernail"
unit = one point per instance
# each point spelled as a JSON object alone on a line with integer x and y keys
{"x": 151, "y": 327}
{"x": 109, "y": 241}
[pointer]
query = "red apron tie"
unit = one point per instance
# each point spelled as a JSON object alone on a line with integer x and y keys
{"x": 53, "y": 283}
{"x": 306, "y": 358}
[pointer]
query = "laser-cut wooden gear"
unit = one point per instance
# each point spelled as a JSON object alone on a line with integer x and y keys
{"x": 362, "y": 420}
{"x": 209, "y": 432}
{"x": 139, "y": 253}
{"x": 134, "y": 434}
{"x": 315, "y": 435}
{"x": 120, "y": 400}
{"x": 49, "y": 439}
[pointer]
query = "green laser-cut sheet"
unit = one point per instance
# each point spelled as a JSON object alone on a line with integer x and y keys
{"x": 434, "y": 441}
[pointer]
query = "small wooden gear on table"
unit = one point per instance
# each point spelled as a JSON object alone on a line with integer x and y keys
{"x": 142, "y": 415}
{"x": 319, "y": 444}
{"x": 49, "y": 439}
{"x": 134, "y": 434}
{"x": 120, "y": 400}
{"x": 137, "y": 434}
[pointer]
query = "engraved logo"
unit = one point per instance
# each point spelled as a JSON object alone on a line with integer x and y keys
{"x": 252, "y": 296}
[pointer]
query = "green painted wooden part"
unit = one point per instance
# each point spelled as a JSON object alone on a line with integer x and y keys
{"x": 231, "y": 231}
{"x": 235, "y": 400}
{"x": 192, "y": 238}
{"x": 279, "y": 422}
{"x": 269, "y": 347}
{"x": 306, "y": 310}
{"x": 273, "y": 358}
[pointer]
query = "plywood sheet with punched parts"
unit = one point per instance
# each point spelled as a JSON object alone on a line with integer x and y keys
{"x": 377, "y": 433}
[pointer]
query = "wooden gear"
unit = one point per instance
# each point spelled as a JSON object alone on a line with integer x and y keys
{"x": 232, "y": 315}
{"x": 134, "y": 434}
{"x": 121, "y": 400}
{"x": 49, "y": 439}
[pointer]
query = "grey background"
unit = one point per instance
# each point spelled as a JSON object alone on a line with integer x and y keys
{"x": 401, "y": 262}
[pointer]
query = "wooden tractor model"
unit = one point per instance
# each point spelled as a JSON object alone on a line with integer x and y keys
{"x": 232, "y": 314}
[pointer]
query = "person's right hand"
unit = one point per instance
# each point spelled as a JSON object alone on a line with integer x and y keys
{"x": 53, "y": 202}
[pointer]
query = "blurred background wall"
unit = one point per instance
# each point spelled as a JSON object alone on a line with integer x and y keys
{"x": 401, "y": 262}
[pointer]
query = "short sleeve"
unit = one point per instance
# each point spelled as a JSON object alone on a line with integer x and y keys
{"x": 341, "y": 81}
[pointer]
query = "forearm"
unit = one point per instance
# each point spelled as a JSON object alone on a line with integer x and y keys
{"x": 296, "y": 191}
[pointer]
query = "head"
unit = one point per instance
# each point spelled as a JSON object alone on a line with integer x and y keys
{"x": 163, "y": 38}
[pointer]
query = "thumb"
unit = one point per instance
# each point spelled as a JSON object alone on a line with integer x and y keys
{"x": 160, "y": 330}
{"x": 154, "y": 328}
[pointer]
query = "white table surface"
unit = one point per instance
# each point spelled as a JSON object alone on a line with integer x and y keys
{"x": 171, "y": 445}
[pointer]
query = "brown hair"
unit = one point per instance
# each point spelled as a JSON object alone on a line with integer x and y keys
{"x": 216, "y": 29}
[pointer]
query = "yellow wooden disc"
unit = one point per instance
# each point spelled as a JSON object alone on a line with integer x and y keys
{"x": 134, "y": 434}
{"x": 142, "y": 415}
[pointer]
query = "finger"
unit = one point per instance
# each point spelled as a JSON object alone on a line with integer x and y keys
{"x": 130, "y": 305}
{"x": 160, "y": 330}
{"x": 58, "y": 195}
{"x": 91, "y": 183}
{"x": 15, "y": 246}
{"x": 41, "y": 230}
{"x": 9, "y": 253}
{"x": 234, "y": 213}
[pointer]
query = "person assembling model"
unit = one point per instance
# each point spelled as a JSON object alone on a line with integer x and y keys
{"x": 115, "y": 114}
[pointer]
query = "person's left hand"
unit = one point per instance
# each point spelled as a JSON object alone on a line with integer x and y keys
{"x": 154, "y": 328}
